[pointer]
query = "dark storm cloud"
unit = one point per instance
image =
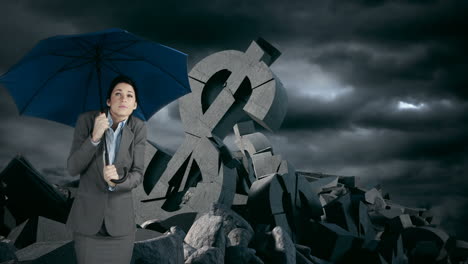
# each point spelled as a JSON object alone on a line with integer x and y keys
{"x": 314, "y": 114}
{"x": 417, "y": 71}
{"x": 434, "y": 29}
{"x": 362, "y": 147}
{"x": 202, "y": 24}
{"x": 430, "y": 116}
{"x": 21, "y": 29}
{"x": 378, "y": 113}
{"x": 433, "y": 32}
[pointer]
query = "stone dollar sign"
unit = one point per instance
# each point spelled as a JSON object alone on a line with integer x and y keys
{"x": 227, "y": 87}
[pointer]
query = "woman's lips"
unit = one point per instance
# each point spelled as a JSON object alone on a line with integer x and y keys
{"x": 123, "y": 106}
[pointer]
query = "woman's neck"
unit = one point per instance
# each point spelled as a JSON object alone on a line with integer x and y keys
{"x": 116, "y": 120}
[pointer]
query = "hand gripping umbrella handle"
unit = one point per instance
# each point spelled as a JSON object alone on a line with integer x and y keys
{"x": 125, "y": 176}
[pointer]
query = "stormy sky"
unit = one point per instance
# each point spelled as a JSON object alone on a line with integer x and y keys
{"x": 377, "y": 89}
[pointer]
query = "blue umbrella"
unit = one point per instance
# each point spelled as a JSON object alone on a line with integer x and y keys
{"x": 64, "y": 76}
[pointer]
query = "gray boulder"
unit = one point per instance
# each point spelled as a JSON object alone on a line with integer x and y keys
{"x": 241, "y": 255}
{"x": 239, "y": 237}
{"x": 188, "y": 251}
{"x": 207, "y": 231}
{"x": 164, "y": 249}
{"x": 231, "y": 219}
{"x": 206, "y": 255}
{"x": 284, "y": 245}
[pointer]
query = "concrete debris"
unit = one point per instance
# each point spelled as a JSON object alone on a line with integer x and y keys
{"x": 284, "y": 246}
{"x": 231, "y": 220}
{"x": 301, "y": 259}
{"x": 206, "y": 255}
{"x": 239, "y": 237}
{"x": 188, "y": 251}
{"x": 365, "y": 227}
{"x": 337, "y": 243}
{"x": 7, "y": 251}
{"x": 164, "y": 249}
{"x": 458, "y": 250}
{"x": 241, "y": 255}
{"x": 207, "y": 231}
{"x": 8, "y": 221}
{"x": 29, "y": 193}
{"x": 374, "y": 196}
{"x": 340, "y": 212}
{"x": 39, "y": 229}
{"x": 266, "y": 205}
{"x": 356, "y": 224}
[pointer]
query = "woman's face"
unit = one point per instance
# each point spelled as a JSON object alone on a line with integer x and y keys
{"x": 122, "y": 101}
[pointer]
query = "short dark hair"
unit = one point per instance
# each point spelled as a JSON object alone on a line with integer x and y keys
{"x": 122, "y": 79}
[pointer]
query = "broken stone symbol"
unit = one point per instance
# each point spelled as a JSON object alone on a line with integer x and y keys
{"x": 228, "y": 87}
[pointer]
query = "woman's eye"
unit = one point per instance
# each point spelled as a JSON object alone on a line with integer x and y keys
{"x": 131, "y": 96}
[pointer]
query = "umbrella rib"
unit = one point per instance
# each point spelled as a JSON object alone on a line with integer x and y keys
{"x": 115, "y": 42}
{"x": 116, "y": 70}
{"x": 76, "y": 66}
{"x": 152, "y": 64}
{"x": 144, "y": 60}
{"x": 132, "y": 42}
{"x": 70, "y": 56}
{"x": 35, "y": 57}
{"x": 88, "y": 81}
{"x": 44, "y": 84}
{"x": 84, "y": 47}
{"x": 123, "y": 59}
{"x": 89, "y": 43}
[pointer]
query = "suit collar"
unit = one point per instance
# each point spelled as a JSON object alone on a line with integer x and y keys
{"x": 125, "y": 142}
{"x": 111, "y": 121}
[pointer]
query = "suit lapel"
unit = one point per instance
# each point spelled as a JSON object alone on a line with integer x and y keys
{"x": 100, "y": 159}
{"x": 125, "y": 141}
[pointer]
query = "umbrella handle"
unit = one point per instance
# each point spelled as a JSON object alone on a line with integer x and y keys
{"x": 123, "y": 178}
{"x": 106, "y": 154}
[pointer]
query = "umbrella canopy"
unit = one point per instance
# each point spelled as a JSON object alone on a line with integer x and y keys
{"x": 64, "y": 76}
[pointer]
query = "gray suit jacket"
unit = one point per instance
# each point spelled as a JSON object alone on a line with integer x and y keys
{"x": 93, "y": 202}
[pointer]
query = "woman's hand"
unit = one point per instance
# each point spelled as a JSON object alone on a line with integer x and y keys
{"x": 101, "y": 124}
{"x": 110, "y": 172}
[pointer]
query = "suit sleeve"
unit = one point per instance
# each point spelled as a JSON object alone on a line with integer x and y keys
{"x": 82, "y": 150}
{"x": 135, "y": 174}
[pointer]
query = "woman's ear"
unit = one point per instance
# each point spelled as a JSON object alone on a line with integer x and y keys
{"x": 108, "y": 102}
{"x": 135, "y": 107}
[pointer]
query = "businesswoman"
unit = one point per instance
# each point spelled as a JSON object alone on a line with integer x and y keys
{"x": 102, "y": 215}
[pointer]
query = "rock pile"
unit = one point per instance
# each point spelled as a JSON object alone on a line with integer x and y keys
{"x": 357, "y": 226}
